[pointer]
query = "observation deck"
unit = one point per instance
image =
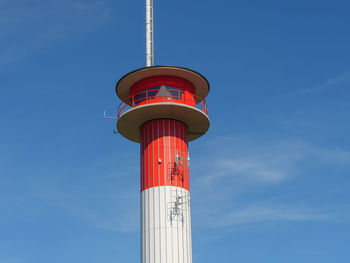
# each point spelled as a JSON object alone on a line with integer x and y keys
{"x": 162, "y": 92}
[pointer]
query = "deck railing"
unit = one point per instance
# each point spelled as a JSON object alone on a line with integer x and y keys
{"x": 166, "y": 95}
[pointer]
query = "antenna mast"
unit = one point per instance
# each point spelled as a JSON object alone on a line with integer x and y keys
{"x": 149, "y": 34}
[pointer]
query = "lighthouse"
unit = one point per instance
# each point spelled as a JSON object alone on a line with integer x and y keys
{"x": 163, "y": 108}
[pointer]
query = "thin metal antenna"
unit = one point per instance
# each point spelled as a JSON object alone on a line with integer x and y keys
{"x": 149, "y": 34}
{"x": 106, "y": 117}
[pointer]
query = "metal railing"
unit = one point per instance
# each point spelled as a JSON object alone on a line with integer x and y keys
{"x": 159, "y": 95}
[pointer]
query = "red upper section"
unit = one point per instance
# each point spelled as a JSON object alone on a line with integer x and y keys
{"x": 164, "y": 154}
{"x": 163, "y": 89}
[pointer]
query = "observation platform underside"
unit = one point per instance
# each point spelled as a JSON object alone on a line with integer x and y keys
{"x": 130, "y": 122}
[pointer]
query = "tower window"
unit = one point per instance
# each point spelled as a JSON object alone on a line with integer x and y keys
{"x": 159, "y": 92}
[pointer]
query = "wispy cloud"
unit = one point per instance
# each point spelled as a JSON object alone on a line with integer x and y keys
{"x": 262, "y": 213}
{"x": 103, "y": 201}
{"x": 94, "y": 192}
{"x": 26, "y": 29}
{"x": 239, "y": 160}
{"x": 253, "y": 168}
{"x": 272, "y": 162}
{"x": 341, "y": 79}
{"x": 87, "y": 6}
{"x": 251, "y": 172}
{"x": 117, "y": 211}
{"x": 121, "y": 215}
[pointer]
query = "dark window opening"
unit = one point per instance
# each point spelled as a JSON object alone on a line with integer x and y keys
{"x": 176, "y": 93}
{"x": 160, "y": 92}
{"x": 148, "y": 93}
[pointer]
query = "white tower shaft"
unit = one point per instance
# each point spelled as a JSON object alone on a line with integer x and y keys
{"x": 149, "y": 34}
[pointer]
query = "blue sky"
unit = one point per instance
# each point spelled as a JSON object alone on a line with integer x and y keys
{"x": 269, "y": 181}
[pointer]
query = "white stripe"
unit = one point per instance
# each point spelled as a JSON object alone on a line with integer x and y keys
{"x": 154, "y": 250}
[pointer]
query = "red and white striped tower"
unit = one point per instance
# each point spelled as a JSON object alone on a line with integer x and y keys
{"x": 163, "y": 108}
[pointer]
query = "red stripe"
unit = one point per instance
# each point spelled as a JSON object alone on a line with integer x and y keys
{"x": 185, "y": 143}
{"x": 155, "y": 152}
{"x": 142, "y": 158}
{"x": 152, "y": 167}
{"x": 149, "y": 156}
{"x": 161, "y": 142}
{"x": 166, "y": 151}
{"x": 171, "y": 152}
{"x": 161, "y": 152}
{"x": 146, "y": 157}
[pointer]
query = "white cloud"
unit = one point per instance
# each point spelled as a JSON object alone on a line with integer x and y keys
{"x": 114, "y": 212}
{"x": 87, "y": 6}
{"x": 94, "y": 192}
{"x": 125, "y": 221}
{"x": 261, "y": 214}
{"x": 250, "y": 173}
{"x": 261, "y": 162}
{"x": 253, "y": 168}
{"x": 343, "y": 78}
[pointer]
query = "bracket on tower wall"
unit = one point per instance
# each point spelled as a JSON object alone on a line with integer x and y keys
{"x": 108, "y": 117}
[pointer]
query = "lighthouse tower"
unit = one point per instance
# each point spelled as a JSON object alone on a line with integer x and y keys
{"x": 163, "y": 108}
